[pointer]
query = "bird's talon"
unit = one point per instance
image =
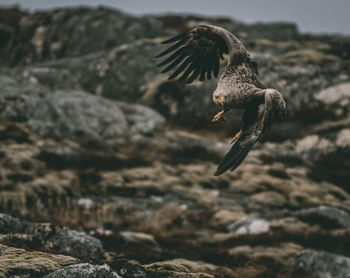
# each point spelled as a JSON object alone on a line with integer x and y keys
{"x": 218, "y": 117}
{"x": 236, "y": 137}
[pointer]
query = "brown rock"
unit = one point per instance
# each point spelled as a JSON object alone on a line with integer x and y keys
{"x": 273, "y": 254}
{"x": 269, "y": 198}
{"x": 14, "y": 260}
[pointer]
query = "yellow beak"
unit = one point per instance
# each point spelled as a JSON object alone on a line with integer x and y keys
{"x": 221, "y": 100}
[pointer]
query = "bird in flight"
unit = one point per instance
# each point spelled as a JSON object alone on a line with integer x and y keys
{"x": 197, "y": 53}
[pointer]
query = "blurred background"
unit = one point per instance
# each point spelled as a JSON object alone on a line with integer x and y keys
{"x": 107, "y": 168}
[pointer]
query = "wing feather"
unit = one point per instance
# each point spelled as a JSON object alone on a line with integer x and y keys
{"x": 187, "y": 72}
{"x": 194, "y": 75}
{"x": 204, "y": 65}
{"x": 172, "y": 57}
{"x": 172, "y": 48}
{"x": 204, "y": 45}
{"x": 175, "y": 38}
{"x": 180, "y": 68}
{"x": 210, "y": 65}
{"x": 174, "y": 63}
{"x": 197, "y": 65}
{"x": 216, "y": 65}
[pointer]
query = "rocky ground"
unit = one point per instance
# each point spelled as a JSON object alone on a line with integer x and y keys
{"x": 107, "y": 168}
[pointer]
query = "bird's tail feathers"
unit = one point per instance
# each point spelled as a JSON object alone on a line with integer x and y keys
{"x": 237, "y": 153}
{"x": 240, "y": 148}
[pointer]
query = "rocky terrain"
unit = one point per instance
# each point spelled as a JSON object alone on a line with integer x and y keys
{"x": 107, "y": 167}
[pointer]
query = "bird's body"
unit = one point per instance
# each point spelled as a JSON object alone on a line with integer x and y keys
{"x": 234, "y": 86}
{"x": 197, "y": 53}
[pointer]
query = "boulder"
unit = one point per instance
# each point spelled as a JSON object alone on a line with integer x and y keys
{"x": 328, "y": 217}
{"x": 9, "y": 224}
{"x": 320, "y": 264}
{"x": 84, "y": 270}
{"x": 75, "y": 115}
{"x": 343, "y": 138}
{"x": 14, "y": 261}
{"x": 50, "y": 238}
{"x": 173, "y": 270}
{"x": 338, "y": 94}
{"x": 249, "y": 225}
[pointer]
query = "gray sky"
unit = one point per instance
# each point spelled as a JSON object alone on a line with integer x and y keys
{"x": 321, "y": 16}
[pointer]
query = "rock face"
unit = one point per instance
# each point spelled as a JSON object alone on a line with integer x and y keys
{"x": 76, "y": 115}
{"x": 106, "y": 168}
{"x": 42, "y": 36}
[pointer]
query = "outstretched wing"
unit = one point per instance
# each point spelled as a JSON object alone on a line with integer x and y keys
{"x": 252, "y": 128}
{"x": 198, "y": 52}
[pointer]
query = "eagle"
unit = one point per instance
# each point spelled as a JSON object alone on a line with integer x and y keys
{"x": 196, "y": 54}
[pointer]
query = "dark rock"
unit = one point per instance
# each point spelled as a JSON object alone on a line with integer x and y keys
{"x": 141, "y": 120}
{"x": 338, "y": 44}
{"x": 15, "y": 133}
{"x": 84, "y": 270}
{"x": 332, "y": 167}
{"x": 95, "y": 156}
{"x": 51, "y": 238}
{"x": 59, "y": 33}
{"x": 319, "y": 264}
{"x": 326, "y": 156}
{"x": 328, "y": 217}
{"x": 129, "y": 269}
{"x": 122, "y": 72}
{"x": 67, "y": 241}
{"x": 10, "y": 224}
{"x": 76, "y": 115}
{"x": 182, "y": 146}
